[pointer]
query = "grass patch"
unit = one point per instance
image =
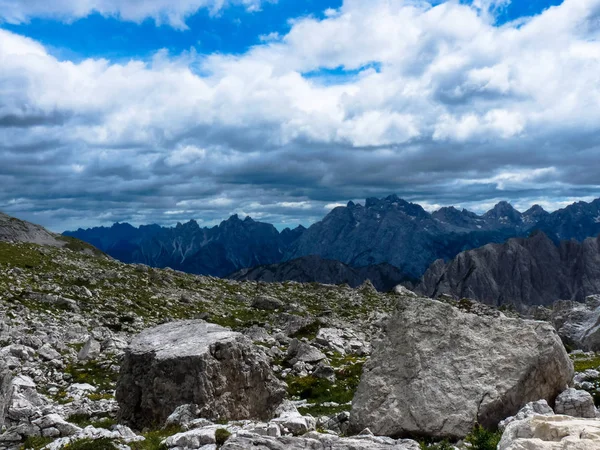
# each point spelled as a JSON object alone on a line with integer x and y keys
{"x": 91, "y": 444}
{"x": 317, "y": 390}
{"x": 582, "y": 363}
{"x": 94, "y": 373}
{"x": 154, "y": 439}
{"x": 308, "y": 331}
{"x": 35, "y": 442}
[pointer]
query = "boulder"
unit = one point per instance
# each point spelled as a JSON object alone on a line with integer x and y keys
{"x": 5, "y": 391}
{"x": 578, "y": 324}
{"x": 90, "y": 350}
{"x": 575, "y": 403}
{"x": 437, "y": 371}
{"x": 267, "y": 303}
{"x": 194, "y": 362}
{"x": 301, "y": 351}
{"x": 552, "y": 433}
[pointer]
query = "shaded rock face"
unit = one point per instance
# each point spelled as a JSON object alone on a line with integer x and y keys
{"x": 6, "y": 378}
{"x": 578, "y": 323}
{"x": 194, "y": 362}
{"x": 551, "y": 433}
{"x": 309, "y": 269}
{"x": 532, "y": 271}
{"x": 436, "y": 371}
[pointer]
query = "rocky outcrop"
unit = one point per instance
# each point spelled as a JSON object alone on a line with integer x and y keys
{"x": 552, "y": 433}
{"x": 309, "y": 269}
{"x": 576, "y": 403}
{"x": 436, "y": 371}
{"x": 578, "y": 324}
{"x": 6, "y": 377}
{"x": 531, "y": 271}
{"x": 194, "y": 362}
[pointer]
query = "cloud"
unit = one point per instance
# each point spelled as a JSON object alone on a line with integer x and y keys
{"x": 170, "y": 12}
{"x": 434, "y": 103}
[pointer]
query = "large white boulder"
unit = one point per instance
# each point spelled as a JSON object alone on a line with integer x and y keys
{"x": 194, "y": 362}
{"x": 437, "y": 371}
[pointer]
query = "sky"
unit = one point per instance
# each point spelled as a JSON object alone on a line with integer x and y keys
{"x": 159, "y": 111}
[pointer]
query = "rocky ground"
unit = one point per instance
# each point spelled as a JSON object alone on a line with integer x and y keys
{"x": 68, "y": 319}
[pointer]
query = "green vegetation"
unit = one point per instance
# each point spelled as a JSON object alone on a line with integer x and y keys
{"x": 221, "y": 436}
{"x": 309, "y": 331}
{"x": 582, "y": 363}
{"x": 444, "y": 445}
{"x": 482, "y": 439}
{"x": 91, "y": 444}
{"x": 317, "y": 390}
{"x": 103, "y": 377}
{"x": 84, "y": 420}
{"x": 35, "y": 443}
{"x": 153, "y": 439}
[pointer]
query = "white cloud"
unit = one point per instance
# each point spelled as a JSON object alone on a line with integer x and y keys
{"x": 171, "y": 12}
{"x": 436, "y": 94}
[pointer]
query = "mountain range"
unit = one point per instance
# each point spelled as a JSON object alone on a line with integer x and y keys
{"x": 389, "y": 230}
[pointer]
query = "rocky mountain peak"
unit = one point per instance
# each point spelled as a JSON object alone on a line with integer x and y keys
{"x": 504, "y": 213}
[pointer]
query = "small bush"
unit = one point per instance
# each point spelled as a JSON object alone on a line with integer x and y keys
{"x": 221, "y": 436}
{"x": 482, "y": 439}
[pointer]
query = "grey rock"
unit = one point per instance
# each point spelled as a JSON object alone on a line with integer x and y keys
{"x": 267, "y": 303}
{"x": 539, "y": 407}
{"x": 183, "y": 415}
{"x": 573, "y": 402}
{"x": 301, "y": 351}
{"x": 90, "y": 350}
{"x": 6, "y": 377}
{"x": 48, "y": 353}
{"x": 578, "y": 323}
{"x": 436, "y": 371}
{"x": 194, "y": 362}
{"x": 531, "y": 271}
{"x": 315, "y": 441}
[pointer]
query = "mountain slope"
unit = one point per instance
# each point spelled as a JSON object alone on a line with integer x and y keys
{"x": 522, "y": 271}
{"x": 16, "y": 230}
{"x": 309, "y": 269}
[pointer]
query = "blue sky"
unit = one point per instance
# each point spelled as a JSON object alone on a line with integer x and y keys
{"x": 232, "y": 30}
{"x": 170, "y": 110}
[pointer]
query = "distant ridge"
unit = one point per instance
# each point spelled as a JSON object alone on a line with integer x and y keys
{"x": 388, "y": 230}
{"x": 308, "y": 269}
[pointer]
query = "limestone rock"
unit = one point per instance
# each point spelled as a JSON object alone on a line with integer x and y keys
{"x": 301, "y": 351}
{"x": 267, "y": 303}
{"x": 90, "y": 350}
{"x": 577, "y": 323}
{"x": 315, "y": 441}
{"x": 194, "y": 362}
{"x": 552, "y": 433}
{"x": 540, "y": 407}
{"x": 5, "y": 391}
{"x": 436, "y": 371}
{"x": 575, "y": 403}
